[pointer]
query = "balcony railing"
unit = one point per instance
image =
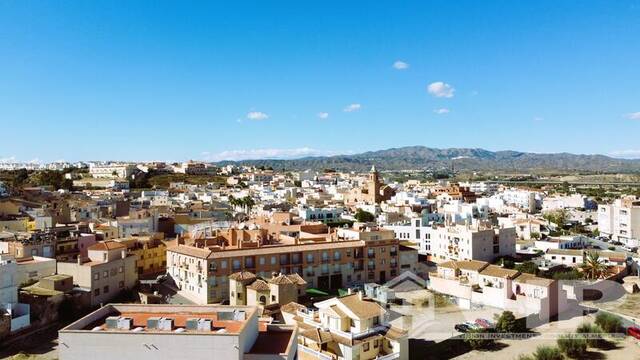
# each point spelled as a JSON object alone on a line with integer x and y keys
{"x": 395, "y": 355}
{"x": 316, "y": 354}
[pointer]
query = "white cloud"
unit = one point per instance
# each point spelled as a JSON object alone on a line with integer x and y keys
{"x": 441, "y": 89}
{"x": 257, "y": 115}
{"x": 255, "y": 154}
{"x": 353, "y": 107}
{"x": 538, "y": 118}
{"x": 633, "y": 116}
{"x": 441, "y": 111}
{"x": 626, "y": 154}
{"x": 400, "y": 65}
{"x": 323, "y": 115}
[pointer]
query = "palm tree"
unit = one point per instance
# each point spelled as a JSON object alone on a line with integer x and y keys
{"x": 593, "y": 268}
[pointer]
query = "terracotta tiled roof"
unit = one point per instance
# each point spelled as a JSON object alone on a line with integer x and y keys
{"x": 531, "y": 279}
{"x": 472, "y": 265}
{"x": 242, "y": 276}
{"x": 106, "y": 246}
{"x": 259, "y": 285}
{"x": 363, "y": 309}
{"x": 292, "y": 307}
{"x": 497, "y": 271}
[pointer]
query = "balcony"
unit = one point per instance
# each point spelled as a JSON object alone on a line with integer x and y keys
{"x": 321, "y": 355}
{"x": 391, "y": 356}
{"x": 371, "y": 255}
{"x": 371, "y": 267}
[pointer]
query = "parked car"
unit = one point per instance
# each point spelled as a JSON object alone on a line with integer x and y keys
{"x": 634, "y": 331}
{"x": 463, "y": 328}
{"x": 484, "y": 323}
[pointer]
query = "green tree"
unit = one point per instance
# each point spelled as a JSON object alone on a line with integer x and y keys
{"x": 609, "y": 323}
{"x": 548, "y": 353}
{"x": 527, "y": 267}
{"x": 574, "y": 347}
{"x": 364, "y": 216}
{"x": 595, "y": 340}
{"x": 476, "y": 340}
{"x": 593, "y": 268}
{"x": 507, "y": 323}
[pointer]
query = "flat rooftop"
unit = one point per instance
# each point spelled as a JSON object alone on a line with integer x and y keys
{"x": 223, "y": 319}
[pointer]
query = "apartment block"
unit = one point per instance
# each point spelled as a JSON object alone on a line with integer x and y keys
{"x": 324, "y": 260}
{"x": 621, "y": 220}
{"x": 468, "y": 242}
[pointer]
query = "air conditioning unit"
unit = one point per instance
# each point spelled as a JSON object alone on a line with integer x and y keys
{"x": 125, "y": 323}
{"x": 204, "y": 325}
{"x": 192, "y": 324}
{"x": 165, "y": 324}
{"x": 112, "y": 322}
{"x": 152, "y": 323}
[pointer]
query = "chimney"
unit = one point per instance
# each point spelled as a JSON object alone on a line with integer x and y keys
{"x": 349, "y": 291}
{"x": 123, "y": 253}
{"x": 79, "y": 259}
{"x": 360, "y": 295}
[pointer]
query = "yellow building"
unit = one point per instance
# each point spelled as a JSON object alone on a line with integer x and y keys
{"x": 151, "y": 252}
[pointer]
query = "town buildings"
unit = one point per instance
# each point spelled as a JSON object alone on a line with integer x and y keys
{"x": 477, "y": 241}
{"x": 111, "y": 171}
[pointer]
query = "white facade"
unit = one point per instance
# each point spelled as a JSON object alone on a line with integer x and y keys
{"x": 621, "y": 220}
{"x": 111, "y": 171}
{"x": 467, "y": 242}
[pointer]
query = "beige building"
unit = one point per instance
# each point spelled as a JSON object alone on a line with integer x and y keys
{"x": 374, "y": 191}
{"x": 343, "y": 258}
{"x": 107, "y": 271}
{"x": 136, "y": 331}
{"x": 245, "y": 288}
{"x": 348, "y": 327}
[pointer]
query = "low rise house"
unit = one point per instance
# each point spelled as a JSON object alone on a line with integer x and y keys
{"x": 14, "y": 316}
{"x": 472, "y": 283}
{"x": 245, "y": 288}
{"x": 572, "y": 257}
{"x": 347, "y": 327}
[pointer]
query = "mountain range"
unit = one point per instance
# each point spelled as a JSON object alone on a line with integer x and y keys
{"x": 422, "y": 157}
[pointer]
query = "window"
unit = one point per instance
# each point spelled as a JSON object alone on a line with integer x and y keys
{"x": 365, "y": 347}
{"x": 114, "y": 271}
{"x": 262, "y": 261}
{"x": 96, "y": 276}
{"x": 105, "y": 274}
{"x": 273, "y": 260}
{"x": 121, "y": 284}
{"x": 273, "y": 298}
{"x": 96, "y": 292}
{"x": 120, "y": 269}
{"x": 106, "y": 289}
{"x": 375, "y": 343}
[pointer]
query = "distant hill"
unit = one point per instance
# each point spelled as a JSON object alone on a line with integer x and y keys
{"x": 421, "y": 157}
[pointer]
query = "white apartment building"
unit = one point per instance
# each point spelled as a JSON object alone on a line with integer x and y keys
{"x": 111, "y": 171}
{"x": 136, "y": 331}
{"x": 480, "y": 187}
{"x": 574, "y": 201}
{"x": 621, "y": 220}
{"x": 468, "y": 242}
{"x": 9, "y": 306}
{"x": 523, "y": 199}
{"x": 459, "y": 212}
{"x": 325, "y": 214}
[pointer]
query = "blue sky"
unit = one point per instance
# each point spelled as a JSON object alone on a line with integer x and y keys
{"x": 156, "y": 80}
